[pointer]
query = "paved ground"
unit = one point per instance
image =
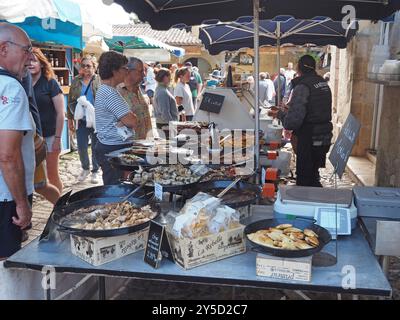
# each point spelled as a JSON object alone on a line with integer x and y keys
{"x": 69, "y": 169}
{"x": 137, "y": 289}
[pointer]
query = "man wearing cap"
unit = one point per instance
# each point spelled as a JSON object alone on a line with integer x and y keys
{"x": 195, "y": 83}
{"x": 17, "y": 152}
{"x": 309, "y": 114}
{"x": 215, "y": 79}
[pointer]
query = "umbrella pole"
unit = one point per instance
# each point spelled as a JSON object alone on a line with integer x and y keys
{"x": 256, "y": 10}
{"x": 278, "y": 42}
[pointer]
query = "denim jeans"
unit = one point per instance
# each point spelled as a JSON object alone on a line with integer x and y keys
{"x": 111, "y": 175}
{"x": 82, "y": 137}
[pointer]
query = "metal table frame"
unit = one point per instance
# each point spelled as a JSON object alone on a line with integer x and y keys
{"x": 353, "y": 250}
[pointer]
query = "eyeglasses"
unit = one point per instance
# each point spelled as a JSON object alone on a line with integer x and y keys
{"x": 28, "y": 49}
{"x": 84, "y": 66}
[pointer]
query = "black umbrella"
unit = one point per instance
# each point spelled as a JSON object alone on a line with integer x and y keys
{"x": 229, "y": 78}
{"x": 162, "y": 14}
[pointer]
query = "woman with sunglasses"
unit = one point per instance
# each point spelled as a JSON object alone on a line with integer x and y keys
{"x": 85, "y": 84}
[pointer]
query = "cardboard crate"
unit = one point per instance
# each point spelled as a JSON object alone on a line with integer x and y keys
{"x": 298, "y": 269}
{"x": 190, "y": 253}
{"x": 98, "y": 251}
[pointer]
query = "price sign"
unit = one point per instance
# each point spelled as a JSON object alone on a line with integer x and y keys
{"x": 158, "y": 191}
{"x": 344, "y": 144}
{"x": 157, "y": 246}
{"x": 212, "y": 102}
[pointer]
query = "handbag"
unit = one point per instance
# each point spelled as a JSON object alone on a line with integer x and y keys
{"x": 40, "y": 149}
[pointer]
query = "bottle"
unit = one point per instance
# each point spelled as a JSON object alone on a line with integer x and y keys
{"x": 61, "y": 79}
{"x": 51, "y": 60}
{"x": 56, "y": 62}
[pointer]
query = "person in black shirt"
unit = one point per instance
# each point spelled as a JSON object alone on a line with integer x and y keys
{"x": 309, "y": 115}
{"x": 50, "y": 102}
{"x": 42, "y": 186}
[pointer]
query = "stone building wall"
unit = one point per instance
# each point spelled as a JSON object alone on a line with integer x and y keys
{"x": 388, "y": 157}
{"x": 351, "y": 89}
{"x": 354, "y": 93}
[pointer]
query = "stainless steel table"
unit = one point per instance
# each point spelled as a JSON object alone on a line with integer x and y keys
{"x": 354, "y": 252}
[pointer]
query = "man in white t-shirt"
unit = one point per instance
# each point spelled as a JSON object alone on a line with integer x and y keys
{"x": 289, "y": 75}
{"x": 267, "y": 89}
{"x": 17, "y": 152}
{"x": 150, "y": 82}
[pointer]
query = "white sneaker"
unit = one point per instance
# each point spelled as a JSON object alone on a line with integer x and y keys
{"x": 83, "y": 175}
{"x": 94, "y": 178}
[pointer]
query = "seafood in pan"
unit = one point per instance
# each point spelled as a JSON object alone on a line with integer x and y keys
{"x": 173, "y": 175}
{"x": 129, "y": 158}
{"x": 224, "y": 173}
{"x": 111, "y": 216}
{"x": 286, "y": 237}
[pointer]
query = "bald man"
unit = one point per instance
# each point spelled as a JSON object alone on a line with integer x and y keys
{"x": 17, "y": 152}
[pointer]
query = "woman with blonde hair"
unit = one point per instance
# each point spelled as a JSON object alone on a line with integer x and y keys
{"x": 50, "y": 102}
{"x": 84, "y": 85}
{"x": 183, "y": 94}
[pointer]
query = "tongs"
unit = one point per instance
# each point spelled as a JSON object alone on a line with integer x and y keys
{"x": 223, "y": 192}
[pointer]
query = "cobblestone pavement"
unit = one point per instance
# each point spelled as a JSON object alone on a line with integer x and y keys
{"x": 139, "y": 289}
{"x": 69, "y": 169}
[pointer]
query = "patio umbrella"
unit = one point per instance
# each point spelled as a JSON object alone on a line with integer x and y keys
{"x": 53, "y": 21}
{"x": 281, "y": 30}
{"x": 229, "y": 78}
{"x": 120, "y": 43}
{"x": 162, "y": 14}
{"x": 93, "y": 16}
{"x": 98, "y": 18}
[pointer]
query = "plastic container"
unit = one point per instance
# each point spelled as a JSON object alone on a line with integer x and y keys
{"x": 377, "y": 202}
{"x": 379, "y": 54}
{"x": 273, "y": 133}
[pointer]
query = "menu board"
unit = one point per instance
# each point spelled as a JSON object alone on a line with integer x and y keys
{"x": 344, "y": 144}
{"x": 212, "y": 102}
{"x": 157, "y": 245}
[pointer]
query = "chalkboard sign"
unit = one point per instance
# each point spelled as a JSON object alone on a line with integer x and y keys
{"x": 157, "y": 245}
{"x": 212, "y": 102}
{"x": 344, "y": 144}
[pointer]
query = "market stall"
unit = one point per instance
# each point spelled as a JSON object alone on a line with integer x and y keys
{"x": 355, "y": 252}
{"x": 58, "y": 28}
{"x": 135, "y": 230}
{"x": 148, "y": 236}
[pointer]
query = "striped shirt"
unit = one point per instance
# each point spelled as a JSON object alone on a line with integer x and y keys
{"x": 110, "y": 107}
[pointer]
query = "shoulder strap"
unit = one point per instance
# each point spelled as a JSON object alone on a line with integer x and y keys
{"x": 88, "y": 86}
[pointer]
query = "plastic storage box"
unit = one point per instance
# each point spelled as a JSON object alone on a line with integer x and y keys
{"x": 377, "y": 202}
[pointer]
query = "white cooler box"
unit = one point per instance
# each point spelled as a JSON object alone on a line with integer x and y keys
{"x": 295, "y": 201}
